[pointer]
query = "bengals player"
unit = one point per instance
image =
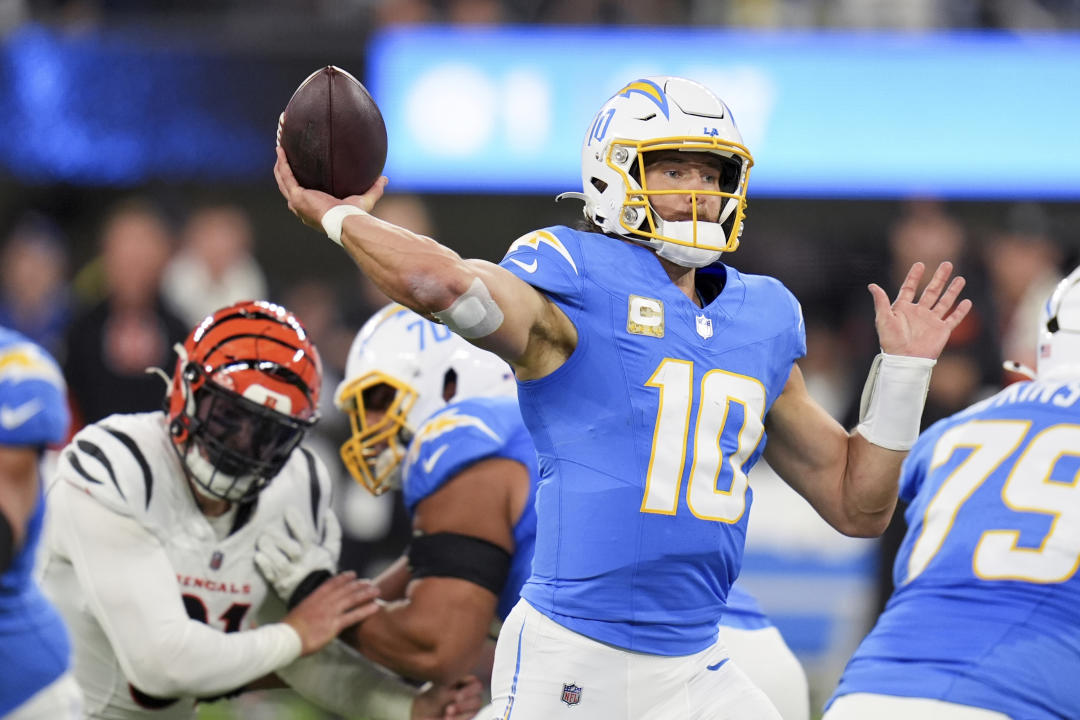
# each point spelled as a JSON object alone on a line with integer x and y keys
{"x": 151, "y": 539}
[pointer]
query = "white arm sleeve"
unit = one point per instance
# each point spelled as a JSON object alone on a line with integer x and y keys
{"x": 341, "y": 680}
{"x": 130, "y": 586}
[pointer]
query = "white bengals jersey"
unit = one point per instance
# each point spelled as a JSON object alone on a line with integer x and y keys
{"x": 127, "y": 463}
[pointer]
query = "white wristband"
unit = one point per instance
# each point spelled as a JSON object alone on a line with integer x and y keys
{"x": 890, "y": 412}
{"x": 335, "y": 216}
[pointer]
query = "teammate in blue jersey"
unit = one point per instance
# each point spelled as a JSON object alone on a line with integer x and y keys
{"x": 982, "y": 624}
{"x": 35, "y": 651}
{"x": 648, "y": 373}
{"x": 437, "y": 418}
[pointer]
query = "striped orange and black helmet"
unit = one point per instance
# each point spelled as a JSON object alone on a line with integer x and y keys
{"x": 244, "y": 391}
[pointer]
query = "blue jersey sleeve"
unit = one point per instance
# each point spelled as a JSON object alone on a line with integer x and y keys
{"x": 33, "y": 403}
{"x": 551, "y": 261}
{"x": 916, "y": 465}
{"x": 788, "y": 314}
{"x": 798, "y": 329}
{"x": 456, "y": 437}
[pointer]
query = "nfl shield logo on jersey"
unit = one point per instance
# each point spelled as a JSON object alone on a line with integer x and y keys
{"x": 215, "y": 560}
{"x": 571, "y": 694}
{"x": 704, "y": 326}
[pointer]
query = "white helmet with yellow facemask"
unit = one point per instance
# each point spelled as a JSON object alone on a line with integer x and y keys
{"x": 663, "y": 114}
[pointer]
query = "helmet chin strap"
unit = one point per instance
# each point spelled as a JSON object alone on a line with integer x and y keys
{"x": 686, "y": 255}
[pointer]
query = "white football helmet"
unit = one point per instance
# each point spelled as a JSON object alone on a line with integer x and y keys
{"x": 1059, "y": 332}
{"x": 649, "y": 115}
{"x": 401, "y": 369}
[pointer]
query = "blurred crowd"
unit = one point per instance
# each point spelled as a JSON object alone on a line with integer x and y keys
{"x": 152, "y": 278}
{"x": 910, "y": 15}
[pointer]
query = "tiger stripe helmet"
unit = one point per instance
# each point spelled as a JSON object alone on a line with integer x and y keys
{"x": 244, "y": 392}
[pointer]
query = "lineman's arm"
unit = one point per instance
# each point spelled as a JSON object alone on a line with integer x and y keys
{"x": 128, "y": 582}
{"x": 851, "y": 479}
{"x": 438, "y": 631}
{"x": 18, "y": 498}
{"x": 534, "y": 334}
{"x": 393, "y": 581}
{"x": 340, "y": 680}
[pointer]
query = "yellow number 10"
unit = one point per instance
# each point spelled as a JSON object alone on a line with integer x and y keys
{"x": 719, "y": 390}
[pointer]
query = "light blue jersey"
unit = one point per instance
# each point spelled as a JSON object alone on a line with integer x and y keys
{"x": 985, "y": 610}
{"x": 645, "y": 436}
{"x": 742, "y": 611}
{"x": 34, "y": 646}
{"x": 462, "y": 434}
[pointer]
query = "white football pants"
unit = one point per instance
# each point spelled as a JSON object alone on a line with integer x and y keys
{"x": 59, "y": 700}
{"x": 544, "y": 671}
{"x": 859, "y": 706}
{"x": 769, "y": 663}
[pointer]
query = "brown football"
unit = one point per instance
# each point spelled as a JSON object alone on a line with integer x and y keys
{"x": 333, "y": 134}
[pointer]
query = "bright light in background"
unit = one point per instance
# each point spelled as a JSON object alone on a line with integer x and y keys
{"x": 527, "y": 113}
{"x": 504, "y": 110}
{"x": 824, "y": 114}
{"x": 451, "y": 110}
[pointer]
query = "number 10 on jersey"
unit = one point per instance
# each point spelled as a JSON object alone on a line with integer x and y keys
{"x": 719, "y": 390}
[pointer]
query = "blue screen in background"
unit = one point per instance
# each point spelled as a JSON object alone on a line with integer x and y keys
{"x": 504, "y": 110}
{"x": 965, "y": 115}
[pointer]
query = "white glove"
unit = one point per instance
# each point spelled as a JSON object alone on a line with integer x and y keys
{"x": 291, "y": 557}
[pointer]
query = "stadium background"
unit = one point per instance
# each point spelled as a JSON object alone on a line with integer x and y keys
{"x": 883, "y": 132}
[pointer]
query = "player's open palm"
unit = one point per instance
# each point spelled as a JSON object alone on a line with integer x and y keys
{"x": 338, "y": 603}
{"x": 920, "y": 328}
{"x": 311, "y": 205}
{"x": 459, "y": 701}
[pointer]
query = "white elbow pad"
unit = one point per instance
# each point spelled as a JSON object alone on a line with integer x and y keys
{"x": 890, "y": 412}
{"x": 473, "y": 315}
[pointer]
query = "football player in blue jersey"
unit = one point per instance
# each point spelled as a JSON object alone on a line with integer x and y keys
{"x": 648, "y": 373}
{"x": 438, "y": 418}
{"x": 35, "y": 651}
{"x": 982, "y": 624}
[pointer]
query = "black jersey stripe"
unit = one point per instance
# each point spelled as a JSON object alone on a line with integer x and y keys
{"x": 95, "y": 452}
{"x": 316, "y": 491}
{"x": 244, "y": 512}
{"x": 129, "y": 443}
{"x": 77, "y": 466}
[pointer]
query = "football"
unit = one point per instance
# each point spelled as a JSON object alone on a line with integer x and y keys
{"x": 333, "y": 134}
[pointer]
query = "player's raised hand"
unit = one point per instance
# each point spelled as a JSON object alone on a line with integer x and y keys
{"x": 311, "y": 205}
{"x": 920, "y": 328}
{"x": 459, "y": 701}
{"x": 338, "y": 603}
